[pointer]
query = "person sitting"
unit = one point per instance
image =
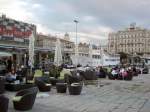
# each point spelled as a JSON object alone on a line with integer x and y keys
{"x": 122, "y": 70}
{"x": 134, "y": 71}
{"x": 114, "y": 73}
{"x": 124, "y": 74}
{"x": 11, "y": 76}
{"x": 20, "y": 73}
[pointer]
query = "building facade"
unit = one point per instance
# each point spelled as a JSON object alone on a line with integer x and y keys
{"x": 83, "y": 49}
{"x": 87, "y": 54}
{"x": 47, "y": 44}
{"x": 14, "y": 38}
{"x": 96, "y": 55}
{"x": 132, "y": 40}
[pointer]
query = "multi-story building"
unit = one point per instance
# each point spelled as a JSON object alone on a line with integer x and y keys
{"x": 47, "y": 44}
{"x": 14, "y": 38}
{"x": 83, "y": 49}
{"x": 96, "y": 55}
{"x": 132, "y": 40}
{"x": 88, "y": 54}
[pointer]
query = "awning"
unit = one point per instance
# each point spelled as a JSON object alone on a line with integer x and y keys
{"x": 5, "y": 54}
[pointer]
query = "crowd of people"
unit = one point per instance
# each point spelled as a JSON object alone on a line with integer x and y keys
{"x": 117, "y": 72}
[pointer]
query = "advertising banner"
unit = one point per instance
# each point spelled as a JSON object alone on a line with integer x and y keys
{"x": 12, "y": 30}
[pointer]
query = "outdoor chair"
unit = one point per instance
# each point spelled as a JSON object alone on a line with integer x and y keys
{"x": 90, "y": 75}
{"x": 3, "y": 103}
{"x": 61, "y": 87}
{"x": 73, "y": 78}
{"x": 53, "y": 81}
{"x": 102, "y": 75}
{"x": 75, "y": 89}
{"x": 43, "y": 86}
{"x": 63, "y": 76}
{"x": 24, "y": 100}
{"x": 38, "y": 73}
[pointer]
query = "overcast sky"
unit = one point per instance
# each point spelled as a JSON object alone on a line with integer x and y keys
{"x": 96, "y": 17}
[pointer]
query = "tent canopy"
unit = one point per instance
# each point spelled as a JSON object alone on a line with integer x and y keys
{"x": 5, "y": 54}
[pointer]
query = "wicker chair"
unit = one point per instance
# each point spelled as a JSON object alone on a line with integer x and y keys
{"x": 38, "y": 73}
{"x": 73, "y": 79}
{"x": 61, "y": 87}
{"x": 90, "y": 75}
{"x": 2, "y": 85}
{"x": 3, "y": 103}
{"x": 75, "y": 89}
{"x": 53, "y": 81}
{"x": 24, "y": 100}
{"x": 43, "y": 87}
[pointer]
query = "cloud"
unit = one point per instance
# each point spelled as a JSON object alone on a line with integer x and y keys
{"x": 37, "y": 5}
{"x": 96, "y": 17}
{"x": 15, "y": 9}
{"x": 89, "y": 19}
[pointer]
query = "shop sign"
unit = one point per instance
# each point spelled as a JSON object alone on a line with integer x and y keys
{"x": 14, "y": 32}
{"x": 19, "y": 39}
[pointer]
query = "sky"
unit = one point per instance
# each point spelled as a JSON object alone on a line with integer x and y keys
{"x": 97, "y": 18}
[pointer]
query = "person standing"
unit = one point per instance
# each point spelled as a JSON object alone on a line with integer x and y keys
{"x": 9, "y": 64}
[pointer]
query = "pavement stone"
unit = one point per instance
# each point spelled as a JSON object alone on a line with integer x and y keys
{"x": 114, "y": 96}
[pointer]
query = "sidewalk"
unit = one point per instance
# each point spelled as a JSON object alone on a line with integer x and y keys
{"x": 114, "y": 96}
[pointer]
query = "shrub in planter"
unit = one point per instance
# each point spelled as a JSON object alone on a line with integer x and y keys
{"x": 54, "y": 71}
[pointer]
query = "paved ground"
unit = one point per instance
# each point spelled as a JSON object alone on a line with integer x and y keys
{"x": 114, "y": 96}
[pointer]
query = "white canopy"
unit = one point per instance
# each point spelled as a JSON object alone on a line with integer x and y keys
{"x": 58, "y": 55}
{"x": 31, "y": 49}
{"x": 5, "y": 54}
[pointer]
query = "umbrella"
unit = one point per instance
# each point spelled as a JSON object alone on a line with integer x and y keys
{"x": 58, "y": 55}
{"x": 5, "y": 54}
{"x": 90, "y": 55}
{"x": 31, "y": 50}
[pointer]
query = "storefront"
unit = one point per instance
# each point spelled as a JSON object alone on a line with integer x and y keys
{"x": 14, "y": 39}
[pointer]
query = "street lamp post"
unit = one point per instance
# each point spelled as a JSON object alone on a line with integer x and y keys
{"x": 76, "y": 47}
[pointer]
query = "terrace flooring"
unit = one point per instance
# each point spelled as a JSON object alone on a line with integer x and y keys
{"x": 113, "y": 96}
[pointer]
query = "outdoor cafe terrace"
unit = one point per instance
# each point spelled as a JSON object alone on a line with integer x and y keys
{"x": 113, "y": 96}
